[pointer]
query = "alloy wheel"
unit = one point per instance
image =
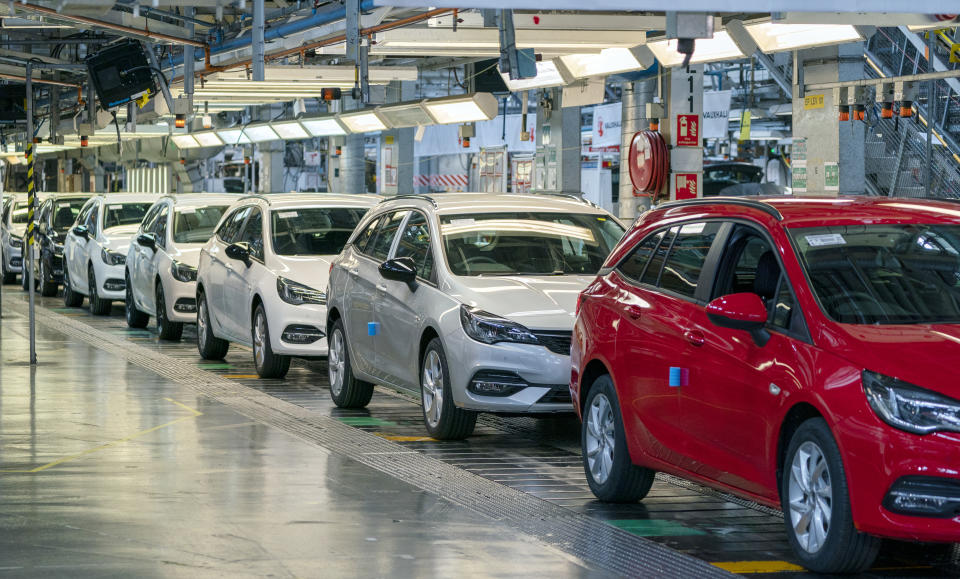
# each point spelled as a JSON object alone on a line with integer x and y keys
{"x": 336, "y": 360}
{"x": 161, "y": 308}
{"x": 600, "y": 439}
{"x": 432, "y": 388}
{"x": 202, "y": 322}
{"x": 810, "y": 496}
{"x": 259, "y": 337}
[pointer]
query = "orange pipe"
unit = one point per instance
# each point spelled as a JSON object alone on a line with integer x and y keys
{"x": 40, "y": 80}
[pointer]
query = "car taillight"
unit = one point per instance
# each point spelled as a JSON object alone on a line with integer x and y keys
{"x": 329, "y": 271}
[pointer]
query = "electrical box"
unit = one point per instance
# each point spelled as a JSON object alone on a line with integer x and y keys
{"x": 13, "y": 98}
{"x": 121, "y": 73}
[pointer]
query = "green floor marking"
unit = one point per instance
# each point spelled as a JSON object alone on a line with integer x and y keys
{"x": 654, "y": 528}
{"x": 364, "y": 421}
{"x": 215, "y": 366}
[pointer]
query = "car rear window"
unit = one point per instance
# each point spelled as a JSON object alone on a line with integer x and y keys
{"x": 313, "y": 231}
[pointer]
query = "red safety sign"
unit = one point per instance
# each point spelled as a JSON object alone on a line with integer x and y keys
{"x": 686, "y": 185}
{"x": 688, "y": 130}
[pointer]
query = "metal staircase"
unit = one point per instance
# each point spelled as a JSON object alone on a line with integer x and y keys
{"x": 895, "y": 149}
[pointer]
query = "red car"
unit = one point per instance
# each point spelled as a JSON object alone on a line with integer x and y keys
{"x": 800, "y": 352}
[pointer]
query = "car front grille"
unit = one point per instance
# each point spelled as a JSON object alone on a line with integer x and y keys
{"x": 557, "y": 342}
{"x": 559, "y": 394}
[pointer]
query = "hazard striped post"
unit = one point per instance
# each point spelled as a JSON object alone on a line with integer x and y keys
{"x": 31, "y": 224}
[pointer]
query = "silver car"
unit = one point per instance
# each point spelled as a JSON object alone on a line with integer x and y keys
{"x": 468, "y": 299}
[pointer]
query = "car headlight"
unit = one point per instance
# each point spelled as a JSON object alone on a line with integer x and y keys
{"x": 489, "y": 328}
{"x": 111, "y": 257}
{"x": 299, "y": 294}
{"x": 907, "y": 407}
{"x": 183, "y": 272}
{"x": 16, "y": 242}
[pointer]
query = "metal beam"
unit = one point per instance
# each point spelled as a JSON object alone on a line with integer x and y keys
{"x": 259, "y": 44}
{"x": 943, "y": 74}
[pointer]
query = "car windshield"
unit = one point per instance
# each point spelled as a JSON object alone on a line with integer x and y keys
{"x": 196, "y": 224}
{"x": 313, "y": 231}
{"x": 20, "y": 212}
{"x": 884, "y": 274}
{"x": 124, "y": 214}
{"x": 65, "y": 213}
{"x": 526, "y": 243}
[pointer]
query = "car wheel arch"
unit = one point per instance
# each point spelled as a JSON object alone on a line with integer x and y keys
{"x": 256, "y": 301}
{"x": 799, "y": 413}
{"x": 333, "y": 314}
{"x": 591, "y": 372}
{"x": 428, "y": 334}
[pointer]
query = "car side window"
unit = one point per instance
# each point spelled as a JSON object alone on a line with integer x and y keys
{"x": 651, "y": 275}
{"x": 415, "y": 243}
{"x": 94, "y": 219}
{"x": 379, "y": 246}
{"x": 632, "y": 267}
{"x": 681, "y": 272}
{"x": 84, "y": 217}
{"x": 159, "y": 229}
{"x": 232, "y": 224}
{"x": 253, "y": 233}
{"x": 362, "y": 240}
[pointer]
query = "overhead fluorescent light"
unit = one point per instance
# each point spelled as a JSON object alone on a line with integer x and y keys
{"x": 233, "y": 137}
{"x": 548, "y": 75}
{"x": 405, "y": 115}
{"x": 365, "y": 121}
{"x": 608, "y": 61}
{"x": 328, "y": 127}
{"x": 208, "y": 139}
{"x": 779, "y": 37}
{"x": 467, "y": 42}
{"x": 291, "y": 130}
{"x": 185, "y": 141}
{"x": 480, "y": 106}
{"x": 720, "y": 47}
{"x": 328, "y": 74}
{"x": 260, "y": 133}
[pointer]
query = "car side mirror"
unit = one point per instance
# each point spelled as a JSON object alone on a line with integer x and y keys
{"x": 743, "y": 311}
{"x": 402, "y": 269}
{"x": 147, "y": 240}
{"x": 239, "y": 251}
{"x": 81, "y": 231}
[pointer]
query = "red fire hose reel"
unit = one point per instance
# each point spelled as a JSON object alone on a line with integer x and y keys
{"x": 649, "y": 163}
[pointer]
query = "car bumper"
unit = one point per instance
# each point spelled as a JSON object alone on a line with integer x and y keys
{"x": 291, "y": 325}
{"x": 181, "y": 301}
{"x": 110, "y": 282}
{"x": 877, "y": 456}
{"x": 56, "y": 268}
{"x": 542, "y": 376}
{"x": 13, "y": 259}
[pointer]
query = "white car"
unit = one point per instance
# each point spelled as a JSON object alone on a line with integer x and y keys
{"x": 466, "y": 299}
{"x": 95, "y": 249}
{"x": 13, "y": 230}
{"x": 261, "y": 277}
{"x": 161, "y": 268}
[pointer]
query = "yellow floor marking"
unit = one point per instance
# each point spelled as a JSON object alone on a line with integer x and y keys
{"x": 758, "y": 566}
{"x": 240, "y": 376}
{"x": 112, "y": 443}
{"x": 399, "y": 438}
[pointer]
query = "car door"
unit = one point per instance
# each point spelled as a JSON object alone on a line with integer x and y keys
{"x": 139, "y": 257}
{"x": 216, "y": 277}
{"x": 75, "y": 248}
{"x": 238, "y": 289}
{"x": 150, "y": 264}
{"x": 652, "y": 359}
{"x": 731, "y": 404}
{"x": 399, "y": 308}
{"x": 363, "y": 330}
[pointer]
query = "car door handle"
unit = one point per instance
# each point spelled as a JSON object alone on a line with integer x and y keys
{"x": 382, "y": 287}
{"x": 353, "y": 271}
{"x": 694, "y": 337}
{"x": 634, "y": 311}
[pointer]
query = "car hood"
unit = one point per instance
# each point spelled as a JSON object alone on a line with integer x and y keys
{"x": 538, "y": 302}
{"x": 924, "y": 355}
{"x": 118, "y": 238}
{"x": 187, "y": 253}
{"x": 310, "y": 270}
{"x": 18, "y": 229}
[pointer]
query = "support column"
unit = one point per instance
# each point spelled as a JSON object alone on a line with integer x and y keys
{"x": 271, "y": 168}
{"x": 259, "y": 26}
{"x": 635, "y": 98}
{"x": 557, "y": 162}
{"x": 396, "y": 148}
{"x": 853, "y": 134}
{"x": 570, "y": 143}
{"x": 353, "y": 170}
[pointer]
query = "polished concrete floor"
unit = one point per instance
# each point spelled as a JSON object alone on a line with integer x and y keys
{"x": 114, "y": 462}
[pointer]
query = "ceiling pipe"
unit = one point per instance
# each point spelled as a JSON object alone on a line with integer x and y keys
{"x": 6, "y": 76}
{"x": 156, "y": 36}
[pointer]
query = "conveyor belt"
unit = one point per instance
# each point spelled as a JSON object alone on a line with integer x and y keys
{"x": 536, "y": 457}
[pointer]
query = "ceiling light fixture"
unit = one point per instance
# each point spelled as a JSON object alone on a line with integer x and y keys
{"x": 608, "y": 61}
{"x": 405, "y": 115}
{"x": 323, "y": 127}
{"x": 720, "y": 47}
{"x": 233, "y": 137}
{"x": 260, "y": 133}
{"x": 548, "y": 75}
{"x": 290, "y": 130}
{"x": 778, "y": 37}
{"x": 365, "y": 121}
{"x": 470, "y": 108}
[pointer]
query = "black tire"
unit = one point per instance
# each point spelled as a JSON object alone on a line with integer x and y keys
{"x": 612, "y": 476}
{"x": 843, "y": 549}
{"x": 167, "y": 330}
{"x": 7, "y": 277}
{"x": 346, "y": 390}
{"x": 71, "y": 299}
{"x": 444, "y": 421}
{"x": 268, "y": 364}
{"x": 48, "y": 287}
{"x": 209, "y": 346}
{"x": 98, "y": 306}
{"x": 24, "y": 278}
{"x": 135, "y": 318}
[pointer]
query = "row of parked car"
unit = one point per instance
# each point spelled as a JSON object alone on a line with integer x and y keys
{"x": 798, "y": 352}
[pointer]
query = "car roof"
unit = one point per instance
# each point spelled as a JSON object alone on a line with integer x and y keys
{"x": 822, "y": 211}
{"x": 130, "y": 197}
{"x": 457, "y": 203}
{"x": 295, "y": 200}
{"x": 202, "y": 199}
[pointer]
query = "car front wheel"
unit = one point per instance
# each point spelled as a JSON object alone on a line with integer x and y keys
{"x": 135, "y": 318}
{"x": 269, "y": 365}
{"x": 8, "y": 277}
{"x": 71, "y": 298}
{"x": 48, "y": 287}
{"x": 611, "y": 474}
{"x": 98, "y": 306}
{"x": 443, "y": 419}
{"x": 166, "y": 329}
{"x": 210, "y": 346}
{"x": 346, "y": 390}
{"x": 816, "y": 505}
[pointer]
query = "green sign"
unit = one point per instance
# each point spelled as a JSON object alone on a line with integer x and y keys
{"x": 799, "y": 179}
{"x": 799, "y": 150}
{"x": 831, "y": 177}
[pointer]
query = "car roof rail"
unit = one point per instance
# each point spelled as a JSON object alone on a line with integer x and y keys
{"x": 253, "y": 196}
{"x": 752, "y": 203}
{"x": 415, "y": 196}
